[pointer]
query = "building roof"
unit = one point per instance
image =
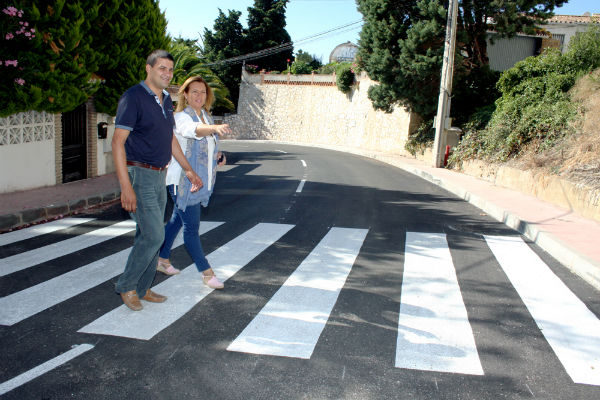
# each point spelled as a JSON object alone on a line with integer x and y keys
{"x": 575, "y": 19}
{"x": 343, "y": 52}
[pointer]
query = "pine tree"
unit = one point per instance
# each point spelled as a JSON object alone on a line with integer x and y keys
{"x": 225, "y": 42}
{"x": 126, "y": 34}
{"x": 266, "y": 29}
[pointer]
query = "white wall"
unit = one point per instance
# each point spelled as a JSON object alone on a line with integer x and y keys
{"x": 104, "y": 155}
{"x": 27, "y": 165}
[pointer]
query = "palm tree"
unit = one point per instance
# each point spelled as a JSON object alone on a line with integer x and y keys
{"x": 188, "y": 63}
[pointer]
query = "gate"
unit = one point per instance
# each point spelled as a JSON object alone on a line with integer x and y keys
{"x": 74, "y": 146}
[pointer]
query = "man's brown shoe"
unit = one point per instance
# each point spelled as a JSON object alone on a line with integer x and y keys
{"x": 132, "y": 300}
{"x": 154, "y": 297}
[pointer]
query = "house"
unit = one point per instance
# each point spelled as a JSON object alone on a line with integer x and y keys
{"x": 504, "y": 53}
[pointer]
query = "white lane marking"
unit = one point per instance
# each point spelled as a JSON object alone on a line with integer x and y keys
{"x": 434, "y": 333}
{"x": 303, "y": 163}
{"x": 25, "y": 303}
{"x": 41, "y": 229}
{"x": 43, "y": 368}
{"x": 225, "y": 168}
{"x": 186, "y": 289}
{"x": 30, "y": 258}
{"x": 301, "y": 186}
{"x": 570, "y": 328}
{"x": 281, "y": 151}
{"x": 291, "y": 323}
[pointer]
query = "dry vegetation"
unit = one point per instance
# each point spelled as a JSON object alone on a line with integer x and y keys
{"x": 577, "y": 157}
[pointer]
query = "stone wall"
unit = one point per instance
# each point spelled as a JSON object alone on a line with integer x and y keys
{"x": 311, "y": 109}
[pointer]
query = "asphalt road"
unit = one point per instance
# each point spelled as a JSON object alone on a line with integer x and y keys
{"x": 346, "y": 279}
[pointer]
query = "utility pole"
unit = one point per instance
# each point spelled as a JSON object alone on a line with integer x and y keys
{"x": 443, "y": 110}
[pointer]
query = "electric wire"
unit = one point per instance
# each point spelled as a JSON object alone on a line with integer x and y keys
{"x": 286, "y": 46}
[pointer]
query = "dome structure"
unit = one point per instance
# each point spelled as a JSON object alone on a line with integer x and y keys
{"x": 343, "y": 52}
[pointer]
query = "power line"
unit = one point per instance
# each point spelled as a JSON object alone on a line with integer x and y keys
{"x": 286, "y": 46}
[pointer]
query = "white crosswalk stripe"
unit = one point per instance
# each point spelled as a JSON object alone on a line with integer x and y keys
{"x": 42, "y": 229}
{"x": 30, "y": 258}
{"x": 433, "y": 329}
{"x": 434, "y": 333}
{"x": 291, "y": 322}
{"x": 25, "y": 303}
{"x": 570, "y": 328}
{"x": 45, "y": 367}
{"x": 186, "y": 289}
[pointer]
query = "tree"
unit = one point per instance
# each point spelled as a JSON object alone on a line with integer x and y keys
{"x": 57, "y": 64}
{"x": 126, "y": 32}
{"x": 304, "y": 63}
{"x": 225, "y": 42}
{"x": 266, "y": 29}
{"x": 401, "y": 47}
{"x": 76, "y": 44}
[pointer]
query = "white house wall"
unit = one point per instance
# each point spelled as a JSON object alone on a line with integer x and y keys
{"x": 27, "y": 151}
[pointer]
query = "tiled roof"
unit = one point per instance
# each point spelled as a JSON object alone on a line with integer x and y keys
{"x": 575, "y": 19}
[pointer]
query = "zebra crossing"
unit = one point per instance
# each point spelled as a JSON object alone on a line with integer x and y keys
{"x": 433, "y": 328}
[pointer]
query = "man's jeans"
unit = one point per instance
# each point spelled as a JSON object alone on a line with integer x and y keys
{"x": 149, "y": 187}
{"x": 190, "y": 220}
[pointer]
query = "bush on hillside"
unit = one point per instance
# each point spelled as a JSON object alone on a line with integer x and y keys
{"x": 535, "y": 108}
{"x": 344, "y": 77}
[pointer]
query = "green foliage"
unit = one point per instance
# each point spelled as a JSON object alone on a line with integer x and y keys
{"x": 266, "y": 29}
{"x": 421, "y": 138}
{"x": 76, "y": 45}
{"x": 305, "y": 63}
{"x": 126, "y": 32}
{"x": 300, "y": 67}
{"x": 327, "y": 69}
{"x": 14, "y": 38}
{"x": 401, "y": 47}
{"x": 225, "y": 42}
{"x": 228, "y": 39}
{"x": 58, "y": 63}
{"x": 344, "y": 77}
{"x": 535, "y": 107}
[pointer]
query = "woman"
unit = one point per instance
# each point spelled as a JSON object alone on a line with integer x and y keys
{"x": 198, "y": 136}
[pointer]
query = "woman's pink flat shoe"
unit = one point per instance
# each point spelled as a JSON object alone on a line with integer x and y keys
{"x": 212, "y": 282}
{"x": 166, "y": 268}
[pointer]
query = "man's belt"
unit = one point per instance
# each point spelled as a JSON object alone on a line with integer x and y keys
{"x": 144, "y": 165}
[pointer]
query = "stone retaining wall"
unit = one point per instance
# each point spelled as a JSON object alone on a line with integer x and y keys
{"x": 311, "y": 109}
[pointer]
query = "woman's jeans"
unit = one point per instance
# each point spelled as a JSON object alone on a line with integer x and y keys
{"x": 149, "y": 187}
{"x": 190, "y": 220}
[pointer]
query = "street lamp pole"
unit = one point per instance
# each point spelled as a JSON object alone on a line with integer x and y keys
{"x": 443, "y": 110}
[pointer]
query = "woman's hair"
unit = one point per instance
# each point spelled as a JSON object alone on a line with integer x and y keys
{"x": 182, "y": 102}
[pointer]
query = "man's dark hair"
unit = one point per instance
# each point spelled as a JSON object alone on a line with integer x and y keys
{"x": 156, "y": 54}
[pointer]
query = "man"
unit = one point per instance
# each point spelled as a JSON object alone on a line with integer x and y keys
{"x": 142, "y": 146}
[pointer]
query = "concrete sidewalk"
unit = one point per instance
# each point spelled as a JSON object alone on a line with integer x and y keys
{"x": 21, "y": 208}
{"x": 569, "y": 238}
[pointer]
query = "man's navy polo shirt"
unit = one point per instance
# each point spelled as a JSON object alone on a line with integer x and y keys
{"x": 150, "y": 125}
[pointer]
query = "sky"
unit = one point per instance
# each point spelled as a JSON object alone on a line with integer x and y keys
{"x": 315, "y": 26}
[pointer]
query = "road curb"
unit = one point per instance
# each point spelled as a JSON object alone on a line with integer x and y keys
{"x": 24, "y": 218}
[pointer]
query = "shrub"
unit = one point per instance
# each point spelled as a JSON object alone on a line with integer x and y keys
{"x": 344, "y": 77}
{"x": 535, "y": 109}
